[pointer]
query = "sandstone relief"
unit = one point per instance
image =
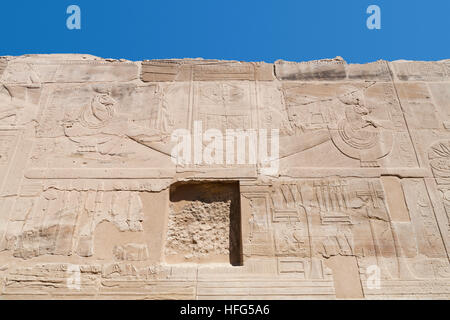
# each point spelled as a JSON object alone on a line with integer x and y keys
{"x": 95, "y": 203}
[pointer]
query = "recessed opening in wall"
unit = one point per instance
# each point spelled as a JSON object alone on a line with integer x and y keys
{"x": 204, "y": 224}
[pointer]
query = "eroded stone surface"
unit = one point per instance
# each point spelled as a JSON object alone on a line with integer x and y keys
{"x": 93, "y": 203}
{"x": 3, "y": 63}
{"x": 199, "y": 229}
{"x": 205, "y": 70}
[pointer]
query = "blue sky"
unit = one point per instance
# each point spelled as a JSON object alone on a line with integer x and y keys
{"x": 247, "y": 30}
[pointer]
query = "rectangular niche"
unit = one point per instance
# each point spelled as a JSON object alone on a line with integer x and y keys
{"x": 204, "y": 224}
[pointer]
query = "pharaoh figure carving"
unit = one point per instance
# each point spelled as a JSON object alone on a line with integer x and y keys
{"x": 439, "y": 156}
{"x": 357, "y": 135}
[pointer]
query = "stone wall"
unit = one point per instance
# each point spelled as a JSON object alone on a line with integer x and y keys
{"x": 92, "y": 204}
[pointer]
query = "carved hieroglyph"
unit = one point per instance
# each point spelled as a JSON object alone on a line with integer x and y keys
{"x": 93, "y": 205}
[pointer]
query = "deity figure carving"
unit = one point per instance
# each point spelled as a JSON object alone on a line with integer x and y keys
{"x": 358, "y": 136}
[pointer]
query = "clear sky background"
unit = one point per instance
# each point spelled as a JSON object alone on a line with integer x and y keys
{"x": 247, "y": 30}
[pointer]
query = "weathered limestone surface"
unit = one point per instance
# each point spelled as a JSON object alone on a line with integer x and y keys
{"x": 93, "y": 207}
